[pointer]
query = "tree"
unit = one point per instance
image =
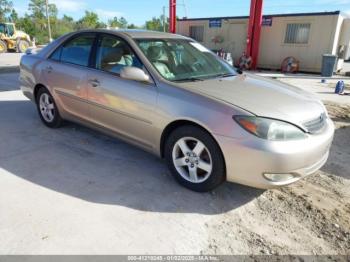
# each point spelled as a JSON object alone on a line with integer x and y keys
{"x": 132, "y": 26}
{"x": 114, "y": 22}
{"x": 89, "y": 20}
{"x": 5, "y": 9}
{"x": 123, "y": 22}
{"x": 67, "y": 19}
{"x": 34, "y": 22}
{"x": 156, "y": 24}
{"x": 14, "y": 16}
{"x": 62, "y": 26}
{"x": 26, "y": 24}
{"x": 37, "y": 9}
{"x": 118, "y": 23}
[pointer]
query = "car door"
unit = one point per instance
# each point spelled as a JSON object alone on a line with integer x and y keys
{"x": 123, "y": 106}
{"x": 66, "y": 74}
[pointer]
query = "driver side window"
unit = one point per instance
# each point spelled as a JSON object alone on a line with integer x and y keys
{"x": 113, "y": 54}
{"x": 158, "y": 54}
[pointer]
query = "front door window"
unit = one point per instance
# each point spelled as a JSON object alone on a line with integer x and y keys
{"x": 113, "y": 54}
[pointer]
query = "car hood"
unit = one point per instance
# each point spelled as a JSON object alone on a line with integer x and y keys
{"x": 262, "y": 97}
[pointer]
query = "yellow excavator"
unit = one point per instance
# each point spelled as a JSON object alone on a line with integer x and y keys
{"x": 12, "y": 39}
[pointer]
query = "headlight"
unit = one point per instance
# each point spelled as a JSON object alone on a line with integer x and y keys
{"x": 270, "y": 129}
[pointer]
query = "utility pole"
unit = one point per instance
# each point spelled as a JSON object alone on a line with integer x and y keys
{"x": 172, "y": 16}
{"x": 164, "y": 19}
{"x": 254, "y": 31}
{"x": 48, "y": 20}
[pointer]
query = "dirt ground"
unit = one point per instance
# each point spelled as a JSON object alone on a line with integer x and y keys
{"x": 309, "y": 217}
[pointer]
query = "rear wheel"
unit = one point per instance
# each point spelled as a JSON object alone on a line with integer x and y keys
{"x": 47, "y": 109}
{"x": 22, "y": 46}
{"x": 195, "y": 159}
{"x": 3, "y": 47}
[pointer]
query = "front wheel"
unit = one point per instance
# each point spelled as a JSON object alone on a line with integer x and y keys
{"x": 195, "y": 159}
{"x": 47, "y": 109}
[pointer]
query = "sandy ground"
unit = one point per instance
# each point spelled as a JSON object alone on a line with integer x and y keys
{"x": 325, "y": 91}
{"x": 75, "y": 191}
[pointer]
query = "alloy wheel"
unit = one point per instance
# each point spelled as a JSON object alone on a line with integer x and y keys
{"x": 192, "y": 159}
{"x": 47, "y": 107}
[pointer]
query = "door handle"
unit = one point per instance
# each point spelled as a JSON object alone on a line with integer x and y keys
{"x": 49, "y": 69}
{"x": 94, "y": 82}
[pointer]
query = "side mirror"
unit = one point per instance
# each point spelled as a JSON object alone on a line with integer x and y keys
{"x": 32, "y": 51}
{"x": 29, "y": 51}
{"x": 134, "y": 73}
{"x": 239, "y": 71}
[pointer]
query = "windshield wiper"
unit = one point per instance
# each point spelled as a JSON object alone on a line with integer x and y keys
{"x": 224, "y": 75}
{"x": 192, "y": 79}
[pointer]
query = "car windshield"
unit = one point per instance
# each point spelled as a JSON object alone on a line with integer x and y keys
{"x": 183, "y": 60}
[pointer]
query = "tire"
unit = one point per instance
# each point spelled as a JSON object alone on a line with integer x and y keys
{"x": 22, "y": 46}
{"x": 3, "y": 47}
{"x": 180, "y": 163}
{"x": 47, "y": 109}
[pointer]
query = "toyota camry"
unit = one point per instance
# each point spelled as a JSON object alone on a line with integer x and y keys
{"x": 173, "y": 97}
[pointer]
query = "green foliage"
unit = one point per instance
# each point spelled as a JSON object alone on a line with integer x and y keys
{"x": 123, "y": 22}
{"x": 132, "y": 26}
{"x": 118, "y": 23}
{"x": 89, "y": 20}
{"x": 34, "y": 22}
{"x": 13, "y": 16}
{"x": 5, "y": 9}
{"x": 157, "y": 24}
{"x": 62, "y": 26}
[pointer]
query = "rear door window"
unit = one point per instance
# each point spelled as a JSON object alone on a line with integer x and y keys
{"x": 76, "y": 51}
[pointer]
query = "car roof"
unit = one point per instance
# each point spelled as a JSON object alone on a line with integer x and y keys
{"x": 131, "y": 33}
{"x": 138, "y": 33}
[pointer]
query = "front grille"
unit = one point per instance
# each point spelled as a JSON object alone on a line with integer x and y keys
{"x": 316, "y": 125}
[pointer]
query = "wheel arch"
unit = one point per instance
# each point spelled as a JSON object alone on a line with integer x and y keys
{"x": 37, "y": 87}
{"x": 179, "y": 123}
{"x": 182, "y": 122}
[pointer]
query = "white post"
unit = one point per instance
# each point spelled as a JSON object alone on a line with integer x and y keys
{"x": 164, "y": 19}
{"x": 48, "y": 20}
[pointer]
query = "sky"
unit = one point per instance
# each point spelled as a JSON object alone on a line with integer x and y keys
{"x": 138, "y": 11}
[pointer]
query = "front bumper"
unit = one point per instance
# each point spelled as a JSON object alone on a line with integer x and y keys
{"x": 249, "y": 158}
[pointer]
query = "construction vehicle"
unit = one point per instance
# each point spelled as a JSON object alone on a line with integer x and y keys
{"x": 12, "y": 39}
